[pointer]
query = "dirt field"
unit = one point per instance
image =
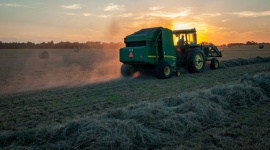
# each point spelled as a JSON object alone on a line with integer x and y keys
{"x": 23, "y": 70}
{"x": 48, "y": 93}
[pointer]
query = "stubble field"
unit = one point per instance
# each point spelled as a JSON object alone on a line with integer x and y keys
{"x": 43, "y": 96}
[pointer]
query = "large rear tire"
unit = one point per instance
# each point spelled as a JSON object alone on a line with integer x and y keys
{"x": 195, "y": 61}
{"x": 214, "y": 63}
{"x": 127, "y": 70}
{"x": 163, "y": 70}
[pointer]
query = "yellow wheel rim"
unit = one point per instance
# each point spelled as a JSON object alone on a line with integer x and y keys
{"x": 199, "y": 61}
{"x": 178, "y": 73}
{"x": 167, "y": 71}
{"x": 216, "y": 64}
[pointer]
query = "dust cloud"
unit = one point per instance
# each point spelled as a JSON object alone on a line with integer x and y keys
{"x": 64, "y": 68}
{"x": 118, "y": 28}
{"x": 114, "y": 28}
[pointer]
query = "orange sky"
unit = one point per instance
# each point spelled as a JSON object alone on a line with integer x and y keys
{"x": 219, "y": 22}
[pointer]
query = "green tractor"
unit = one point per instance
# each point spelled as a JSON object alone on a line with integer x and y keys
{"x": 154, "y": 49}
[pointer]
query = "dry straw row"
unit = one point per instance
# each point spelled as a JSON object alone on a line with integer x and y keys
{"x": 147, "y": 125}
{"x": 241, "y": 61}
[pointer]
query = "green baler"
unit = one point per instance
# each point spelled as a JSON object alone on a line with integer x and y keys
{"x": 154, "y": 49}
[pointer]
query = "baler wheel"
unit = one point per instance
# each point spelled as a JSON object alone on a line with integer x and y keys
{"x": 178, "y": 73}
{"x": 127, "y": 70}
{"x": 163, "y": 70}
{"x": 214, "y": 63}
{"x": 196, "y": 61}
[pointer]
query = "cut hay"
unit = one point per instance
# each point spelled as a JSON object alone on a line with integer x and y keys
{"x": 147, "y": 125}
{"x": 43, "y": 55}
{"x": 261, "y": 81}
{"x": 240, "y": 61}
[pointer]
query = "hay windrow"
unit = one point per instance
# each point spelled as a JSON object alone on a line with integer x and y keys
{"x": 148, "y": 125}
{"x": 240, "y": 61}
{"x": 261, "y": 81}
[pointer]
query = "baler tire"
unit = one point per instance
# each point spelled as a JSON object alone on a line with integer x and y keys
{"x": 127, "y": 70}
{"x": 177, "y": 73}
{"x": 214, "y": 64}
{"x": 163, "y": 70}
{"x": 195, "y": 61}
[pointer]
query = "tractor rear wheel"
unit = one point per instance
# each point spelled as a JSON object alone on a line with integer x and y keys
{"x": 214, "y": 63}
{"x": 127, "y": 70}
{"x": 195, "y": 61}
{"x": 163, "y": 70}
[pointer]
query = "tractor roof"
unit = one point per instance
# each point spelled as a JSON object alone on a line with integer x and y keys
{"x": 184, "y": 31}
{"x": 147, "y": 30}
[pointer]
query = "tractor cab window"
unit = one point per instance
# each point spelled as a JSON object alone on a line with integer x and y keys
{"x": 191, "y": 38}
{"x": 184, "y": 39}
{"x": 179, "y": 39}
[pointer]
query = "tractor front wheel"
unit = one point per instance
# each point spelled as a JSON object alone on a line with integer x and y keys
{"x": 127, "y": 70}
{"x": 214, "y": 63}
{"x": 163, "y": 70}
{"x": 195, "y": 61}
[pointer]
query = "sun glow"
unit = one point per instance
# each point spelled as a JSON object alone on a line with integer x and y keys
{"x": 201, "y": 29}
{"x": 201, "y": 38}
{"x": 181, "y": 25}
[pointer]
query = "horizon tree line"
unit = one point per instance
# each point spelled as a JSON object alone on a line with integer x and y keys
{"x": 59, "y": 45}
{"x": 88, "y": 44}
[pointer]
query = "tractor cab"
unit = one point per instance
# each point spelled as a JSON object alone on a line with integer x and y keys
{"x": 188, "y": 50}
{"x": 187, "y": 37}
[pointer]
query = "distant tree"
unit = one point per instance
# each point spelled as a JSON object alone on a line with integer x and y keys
{"x": 251, "y": 43}
{"x": 30, "y": 45}
{"x": 50, "y": 44}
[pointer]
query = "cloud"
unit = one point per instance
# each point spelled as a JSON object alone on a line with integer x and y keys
{"x": 211, "y": 15}
{"x": 168, "y": 14}
{"x": 87, "y": 14}
{"x": 113, "y": 7}
{"x": 226, "y": 20}
{"x": 155, "y": 8}
{"x": 202, "y": 17}
{"x": 10, "y": 5}
{"x": 126, "y": 15}
{"x": 70, "y": 14}
{"x": 251, "y": 13}
{"x": 103, "y": 16}
{"x": 140, "y": 17}
{"x": 74, "y": 6}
